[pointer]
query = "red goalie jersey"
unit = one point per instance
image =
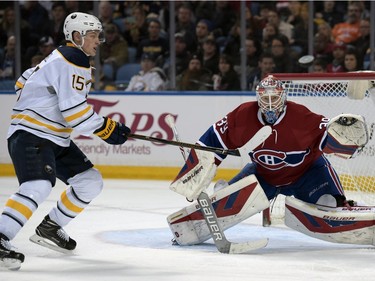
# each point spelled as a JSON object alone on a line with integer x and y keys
{"x": 297, "y": 140}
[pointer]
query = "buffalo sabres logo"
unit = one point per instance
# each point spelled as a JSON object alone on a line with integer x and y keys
{"x": 275, "y": 160}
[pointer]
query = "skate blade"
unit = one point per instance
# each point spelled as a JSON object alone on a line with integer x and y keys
{"x": 49, "y": 244}
{"x": 11, "y": 264}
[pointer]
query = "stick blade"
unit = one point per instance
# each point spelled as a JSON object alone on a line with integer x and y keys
{"x": 241, "y": 248}
{"x": 255, "y": 141}
{"x": 170, "y": 120}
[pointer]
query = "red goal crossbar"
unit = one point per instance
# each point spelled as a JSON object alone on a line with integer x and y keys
{"x": 361, "y": 75}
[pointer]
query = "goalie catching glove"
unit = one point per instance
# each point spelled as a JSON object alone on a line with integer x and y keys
{"x": 113, "y": 132}
{"x": 347, "y": 133}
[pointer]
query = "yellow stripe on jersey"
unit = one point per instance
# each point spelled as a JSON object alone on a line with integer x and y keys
{"x": 19, "y": 85}
{"x": 68, "y": 204}
{"x": 38, "y": 123}
{"x": 78, "y": 114}
{"x": 24, "y": 210}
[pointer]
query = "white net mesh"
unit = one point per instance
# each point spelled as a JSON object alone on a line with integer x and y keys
{"x": 327, "y": 94}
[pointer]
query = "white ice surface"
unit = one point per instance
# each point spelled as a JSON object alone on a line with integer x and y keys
{"x": 123, "y": 235}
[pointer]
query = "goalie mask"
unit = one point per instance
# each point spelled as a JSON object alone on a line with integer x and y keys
{"x": 82, "y": 23}
{"x": 271, "y": 97}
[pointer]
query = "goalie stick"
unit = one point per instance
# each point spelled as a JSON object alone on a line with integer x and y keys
{"x": 170, "y": 121}
{"x": 221, "y": 242}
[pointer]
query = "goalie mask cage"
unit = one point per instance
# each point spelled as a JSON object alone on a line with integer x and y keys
{"x": 331, "y": 94}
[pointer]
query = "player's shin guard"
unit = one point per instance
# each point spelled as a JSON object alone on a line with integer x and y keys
{"x": 84, "y": 188}
{"x": 21, "y": 205}
{"x": 350, "y": 225}
{"x": 232, "y": 205}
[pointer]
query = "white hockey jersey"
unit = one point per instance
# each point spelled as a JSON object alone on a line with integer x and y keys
{"x": 52, "y": 97}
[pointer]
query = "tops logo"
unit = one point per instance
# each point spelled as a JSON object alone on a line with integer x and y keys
{"x": 142, "y": 122}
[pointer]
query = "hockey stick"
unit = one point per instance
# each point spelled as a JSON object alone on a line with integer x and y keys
{"x": 233, "y": 152}
{"x": 170, "y": 121}
{"x": 221, "y": 242}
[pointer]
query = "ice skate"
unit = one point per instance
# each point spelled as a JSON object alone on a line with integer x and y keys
{"x": 50, "y": 235}
{"x": 8, "y": 258}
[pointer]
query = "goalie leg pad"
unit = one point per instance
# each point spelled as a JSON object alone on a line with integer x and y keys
{"x": 232, "y": 205}
{"x": 354, "y": 225}
{"x": 196, "y": 175}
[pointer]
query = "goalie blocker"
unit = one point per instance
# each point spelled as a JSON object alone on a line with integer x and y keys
{"x": 232, "y": 205}
{"x": 196, "y": 175}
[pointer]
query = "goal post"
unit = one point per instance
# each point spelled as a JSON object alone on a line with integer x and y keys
{"x": 331, "y": 94}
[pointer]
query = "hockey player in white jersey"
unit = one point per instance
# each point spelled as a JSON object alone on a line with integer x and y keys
{"x": 51, "y": 104}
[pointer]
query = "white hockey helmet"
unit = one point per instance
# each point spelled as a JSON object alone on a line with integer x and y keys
{"x": 271, "y": 97}
{"x": 82, "y": 23}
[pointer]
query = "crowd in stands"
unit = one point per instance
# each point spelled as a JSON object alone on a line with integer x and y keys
{"x": 207, "y": 39}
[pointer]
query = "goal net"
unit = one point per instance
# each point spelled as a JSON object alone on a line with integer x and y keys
{"x": 331, "y": 94}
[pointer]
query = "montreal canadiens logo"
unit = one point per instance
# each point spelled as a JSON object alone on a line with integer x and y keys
{"x": 275, "y": 160}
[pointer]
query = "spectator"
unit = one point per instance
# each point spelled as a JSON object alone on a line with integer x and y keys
{"x": 323, "y": 47}
{"x": 283, "y": 27}
{"x": 325, "y": 29}
{"x": 154, "y": 43}
{"x": 269, "y": 31}
{"x": 261, "y": 17}
{"x": 185, "y": 25}
{"x": 37, "y": 16}
{"x": 233, "y": 43}
{"x": 195, "y": 77}
{"x": 329, "y": 13}
{"x": 254, "y": 24}
{"x": 352, "y": 60}
{"x": 105, "y": 12}
{"x": 210, "y": 55}
{"x": 150, "y": 78}
{"x": 284, "y": 62}
{"x": 58, "y": 14}
{"x": 294, "y": 16}
{"x": 348, "y": 31}
{"x": 266, "y": 66}
{"x": 202, "y": 31}
{"x": 319, "y": 66}
{"x": 113, "y": 52}
{"x": 224, "y": 17}
{"x": 227, "y": 79}
{"x": 362, "y": 44}
{"x": 299, "y": 41}
{"x": 253, "y": 51}
{"x": 182, "y": 56}
{"x": 7, "y": 65}
{"x": 8, "y": 28}
{"x": 136, "y": 27}
{"x": 337, "y": 64}
{"x": 45, "y": 47}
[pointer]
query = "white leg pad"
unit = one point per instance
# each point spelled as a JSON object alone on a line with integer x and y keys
{"x": 87, "y": 184}
{"x": 354, "y": 225}
{"x": 232, "y": 205}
